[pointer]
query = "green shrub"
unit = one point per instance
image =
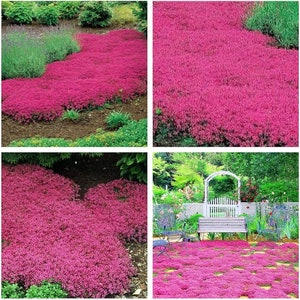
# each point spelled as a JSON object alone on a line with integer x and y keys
{"x": 5, "y": 5}
{"x": 70, "y": 114}
{"x": 46, "y": 290}
{"x": 11, "y": 290}
{"x": 22, "y": 56}
{"x": 276, "y": 18}
{"x": 47, "y": 15}
{"x": 141, "y": 14}
{"x": 123, "y": 14}
{"x": 279, "y": 191}
{"x": 21, "y": 12}
{"x": 42, "y": 159}
{"x": 134, "y": 166}
{"x": 117, "y": 119}
{"x": 95, "y": 14}
{"x": 68, "y": 9}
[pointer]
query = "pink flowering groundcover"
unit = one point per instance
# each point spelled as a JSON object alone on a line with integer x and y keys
{"x": 48, "y": 233}
{"x": 218, "y": 82}
{"x": 108, "y": 66}
{"x": 227, "y": 269}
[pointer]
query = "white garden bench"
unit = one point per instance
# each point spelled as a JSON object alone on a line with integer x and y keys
{"x": 223, "y": 225}
{"x": 221, "y": 215}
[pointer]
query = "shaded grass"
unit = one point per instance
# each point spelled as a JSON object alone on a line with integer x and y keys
{"x": 25, "y": 55}
{"x": 279, "y": 19}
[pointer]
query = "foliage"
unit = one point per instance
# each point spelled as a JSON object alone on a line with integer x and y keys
{"x": 279, "y": 191}
{"x": 223, "y": 185}
{"x": 46, "y": 290}
{"x": 134, "y": 166}
{"x": 211, "y": 98}
{"x": 161, "y": 171}
{"x": 95, "y": 14}
{"x": 78, "y": 242}
{"x": 249, "y": 191}
{"x": 122, "y": 14}
{"x": 5, "y": 5}
{"x": 11, "y": 290}
{"x": 24, "y": 55}
{"x": 70, "y": 114}
{"x": 68, "y": 9}
{"x": 276, "y": 18}
{"x": 117, "y": 119}
{"x": 79, "y": 81}
{"x": 59, "y": 44}
{"x": 132, "y": 135}
{"x": 42, "y": 159}
{"x": 47, "y": 15}
{"x": 191, "y": 223}
{"x": 20, "y": 12}
{"x": 141, "y": 14}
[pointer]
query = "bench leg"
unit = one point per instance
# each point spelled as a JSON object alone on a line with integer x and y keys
{"x": 199, "y": 236}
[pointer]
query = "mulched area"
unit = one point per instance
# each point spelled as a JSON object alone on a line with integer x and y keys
{"x": 87, "y": 124}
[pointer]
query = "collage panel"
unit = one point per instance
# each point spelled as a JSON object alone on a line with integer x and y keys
{"x": 74, "y": 225}
{"x": 225, "y": 73}
{"x": 225, "y": 225}
{"x": 74, "y": 74}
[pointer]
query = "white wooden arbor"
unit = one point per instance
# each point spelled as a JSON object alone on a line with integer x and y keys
{"x": 222, "y": 207}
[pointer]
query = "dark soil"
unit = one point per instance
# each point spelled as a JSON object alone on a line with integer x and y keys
{"x": 89, "y": 121}
{"x": 88, "y": 172}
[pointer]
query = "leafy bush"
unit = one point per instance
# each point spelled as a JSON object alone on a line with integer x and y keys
{"x": 46, "y": 290}
{"x": 134, "y": 166}
{"x": 20, "y": 12}
{"x": 276, "y": 18}
{"x": 123, "y": 14}
{"x": 141, "y": 14}
{"x": 47, "y": 15}
{"x": 68, "y": 9}
{"x": 70, "y": 114}
{"x": 95, "y": 14}
{"x": 117, "y": 119}
{"x": 42, "y": 159}
{"x": 279, "y": 191}
{"x": 11, "y": 290}
{"x": 5, "y": 5}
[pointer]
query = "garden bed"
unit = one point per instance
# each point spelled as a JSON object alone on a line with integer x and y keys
{"x": 47, "y": 191}
{"x": 218, "y": 84}
{"x": 123, "y": 93}
{"x": 227, "y": 269}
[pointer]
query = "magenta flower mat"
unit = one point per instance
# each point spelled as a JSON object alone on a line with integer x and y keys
{"x": 109, "y": 65}
{"x": 227, "y": 269}
{"x": 218, "y": 82}
{"x": 50, "y": 234}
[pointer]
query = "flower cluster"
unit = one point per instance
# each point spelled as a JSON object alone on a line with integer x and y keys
{"x": 226, "y": 269}
{"x": 108, "y": 66}
{"x": 124, "y": 205}
{"x": 218, "y": 82}
{"x": 48, "y": 233}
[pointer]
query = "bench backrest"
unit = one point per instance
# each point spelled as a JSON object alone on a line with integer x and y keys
{"x": 222, "y": 225}
{"x": 222, "y": 207}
